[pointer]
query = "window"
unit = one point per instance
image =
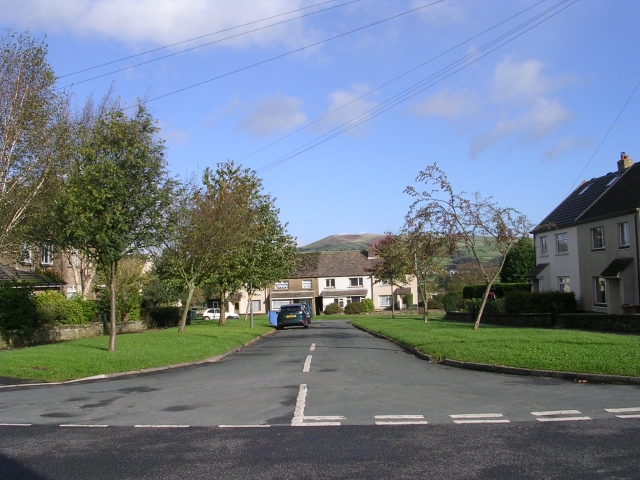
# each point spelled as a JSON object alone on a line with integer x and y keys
{"x": 600, "y": 296}
{"x": 543, "y": 245}
{"x": 330, "y": 283}
{"x": 282, "y": 285}
{"x": 384, "y": 300}
{"x": 564, "y": 284}
{"x": 46, "y": 254}
{"x": 354, "y": 300}
{"x": 306, "y": 284}
{"x": 382, "y": 283}
{"x": 597, "y": 238}
{"x": 25, "y": 255}
{"x": 355, "y": 282}
{"x": 71, "y": 290}
{"x": 255, "y": 305}
{"x": 341, "y": 302}
{"x": 623, "y": 235}
{"x": 562, "y": 244}
{"x": 277, "y": 304}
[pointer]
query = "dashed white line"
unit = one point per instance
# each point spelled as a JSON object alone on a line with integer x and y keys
{"x": 298, "y": 413}
{"x": 161, "y": 426}
{"x": 313, "y": 347}
{"x": 244, "y": 426}
{"x": 400, "y": 420}
{"x": 307, "y": 364}
{"x": 77, "y": 425}
{"x": 557, "y": 412}
{"x": 552, "y": 416}
{"x": 15, "y": 424}
{"x": 460, "y": 422}
{"x": 398, "y": 417}
{"x": 317, "y": 424}
{"x": 471, "y": 418}
{"x": 477, "y": 415}
{"x": 637, "y": 415}
{"x": 622, "y": 410}
{"x": 323, "y": 417}
{"x": 561, "y": 419}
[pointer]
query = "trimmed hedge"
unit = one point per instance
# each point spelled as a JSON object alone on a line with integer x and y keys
{"x": 451, "y": 301}
{"x": 162, "y": 317}
{"x": 541, "y": 302}
{"x": 353, "y": 308}
{"x": 500, "y": 289}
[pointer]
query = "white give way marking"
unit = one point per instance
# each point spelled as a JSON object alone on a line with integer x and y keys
{"x": 300, "y": 420}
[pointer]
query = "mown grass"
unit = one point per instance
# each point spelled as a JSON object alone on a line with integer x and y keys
{"x": 544, "y": 349}
{"x": 154, "y": 348}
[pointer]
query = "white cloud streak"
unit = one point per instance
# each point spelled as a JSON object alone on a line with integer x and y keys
{"x": 271, "y": 115}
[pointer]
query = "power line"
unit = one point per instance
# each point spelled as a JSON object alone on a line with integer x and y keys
{"x": 413, "y": 91}
{"x": 203, "y": 45}
{"x": 289, "y": 53}
{"x": 198, "y": 38}
{"x": 605, "y": 136}
{"x": 389, "y": 82}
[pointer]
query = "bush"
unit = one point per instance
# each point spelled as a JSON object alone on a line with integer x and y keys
{"x": 162, "y": 317}
{"x": 435, "y": 303}
{"x": 353, "y": 308}
{"x": 18, "y": 310}
{"x": 541, "y": 302}
{"x": 452, "y": 301}
{"x": 367, "y": 305}
{"x": 472, "y": 305}
{"x": 55, "y": 309}
{"x": 500, "y": 289}
{"x": 408, "y": 300}
{"x": 89, "y": 308}
{"x": 332, "y": 309}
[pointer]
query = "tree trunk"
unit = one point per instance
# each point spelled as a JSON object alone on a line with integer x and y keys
{"x": 423, "y": 294}
{"x": 185, "y": 310}
{"x": 393, "y": 303}
{"x": 222, "y": 319}
{"x": 112, "y": 312}
{"x": 486, "y": 294}
{"x": 249, "y": 309}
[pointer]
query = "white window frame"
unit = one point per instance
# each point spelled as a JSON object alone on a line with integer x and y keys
{"x": 256, "y": 305}
{"x": 330, "y": 283}
{"x": 599, "y": 287}
{"x": 597, "y": 239}
{"x": 564, "y": 284}
{"x": 26, "y": 255}
{"x": 307, "y": 284}
{"x": 562, "y": 243}
{"x": 71, "y": 290}
{"x": 276, "y": 304}
{"x": 356, "y": 282}
{"x": 283, "y": 285}
{"x": 543, "y": 245}
{"x": 46, "y": 254}
{"x": 384, "y": 300}
{"x": 623, "y": 235}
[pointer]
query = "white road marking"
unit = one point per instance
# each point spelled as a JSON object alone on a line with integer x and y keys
{"x": 637, "y": 415}
{"x": 161, "y": 426}
{"x": 478, "y": 418}
{"x": 557, "y": 412}
{"x": 77, "y": 425}
{"x": 307, "y": 364}
{"x": 313, "y": 347}
{"x": 622, "y": 410}
{"x": 482, "y": 421}
{"x": 405, "y": 422}
{"x": 318, "y": 424}
{"x": 398, "y": 417}
{"x": 15, "y": 424}
{"x": 321, "y": 417}
{"x": 299, "y": 417}
{"x": 561, "y": 419}
{"x": 477, "y": 415}
{"x": 244, "y": 426}
{"x": 298, "y": 413}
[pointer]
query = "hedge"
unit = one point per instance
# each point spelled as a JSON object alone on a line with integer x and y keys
{"x": 162, "y": 317}
{"x": 451, "y": 301}
{"x": 541, "y": 302}
{"x": 500, "y": 289}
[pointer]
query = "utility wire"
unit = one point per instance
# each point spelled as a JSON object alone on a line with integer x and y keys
{"x": 203, "y": 45}
{"x": 411, "y": 92}
{"x": 197, "y": 38}
{"x": 605, "y": 137}
{"x": 388, "y": 82}
{"x": 289, "y": 53}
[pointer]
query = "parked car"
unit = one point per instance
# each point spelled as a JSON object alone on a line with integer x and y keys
{"x": 214, "y": 314}
{"x": 295, "y": 314}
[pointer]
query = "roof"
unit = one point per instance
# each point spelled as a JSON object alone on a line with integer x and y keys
{"x": 292, "y": 294}
{"x": 537, "y": 270}
{"x": 333, "y": 264}
{"x": 28, "y": 279}
{"x": 616, "y": 267}
{"x": 354, "y": 292}
{"x": 403, "y": 290}
{"x": 610, "y": 195}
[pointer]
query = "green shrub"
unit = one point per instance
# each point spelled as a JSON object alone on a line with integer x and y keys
{"x": 500, "y": 289}
{"x": 353, "y": 308}
{"x": 452, "y": 301}
{"x": 17, "y": 310}
{"x": 408, "y": 300}
{"x": 162, "y": 317}
{"x": 55, "y": 309}
{"x": 435, "y": 303}
{"x": 367, "y": 305}
{"x": 89, "y": 308}
{"x": 332, "y": 309}
{"x": 472, "y": 305}
{"x": 540, "y": 302}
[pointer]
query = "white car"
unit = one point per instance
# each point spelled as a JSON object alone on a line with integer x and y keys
{"x": 214, "y": 314}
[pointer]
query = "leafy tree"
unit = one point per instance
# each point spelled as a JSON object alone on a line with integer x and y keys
{"x": 520, "y": 260}
{"x": 116, "y": 192}
{"x": 467, "y": 220}
{"x": 394, "y": 266}
{"x": 130, "y": 280}
{"x": 34, "y": 134}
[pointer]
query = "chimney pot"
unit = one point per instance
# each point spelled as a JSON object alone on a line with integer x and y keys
{"x": 624, "y": 162}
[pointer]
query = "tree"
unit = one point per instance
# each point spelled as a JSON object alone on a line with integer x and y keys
{"x": 130, "y": 280}
{"x": 116, "y": 192}
{"x": 520, "y": 260}
{"x": 34, "y": 128}
{"x": 394, "y": 266}
{"x": 467, "y": 220}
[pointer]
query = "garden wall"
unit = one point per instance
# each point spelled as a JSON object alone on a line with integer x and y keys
{"x": 585, "y": 321}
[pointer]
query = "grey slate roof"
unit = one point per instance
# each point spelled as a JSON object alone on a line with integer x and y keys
{"x": 622, "y": 197}
{"x": 616, "y": 267}
{"x": 355, "y": 292}
{"x": 588, "y": 197}
{"x": 292, "y": 294}
{"x": 537, "y": 270}
{"x": 333, "y": 264}
{"x": 27, "y": 279}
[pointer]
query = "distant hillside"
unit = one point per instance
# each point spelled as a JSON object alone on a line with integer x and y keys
{"x": 341, "y": 243}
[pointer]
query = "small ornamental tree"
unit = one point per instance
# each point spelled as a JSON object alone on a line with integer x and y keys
{"x": 520, "y": 260}
{"x": 467, "y": 219}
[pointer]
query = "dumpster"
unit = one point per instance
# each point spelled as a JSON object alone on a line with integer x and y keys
{"x": 273, "y": 318}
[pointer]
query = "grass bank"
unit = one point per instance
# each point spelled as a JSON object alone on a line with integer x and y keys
{"x": 154, "y": 348}
{"x": 544, "y": 349}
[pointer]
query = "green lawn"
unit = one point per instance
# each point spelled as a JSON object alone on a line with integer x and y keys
{"x": 544, "y": 349}
{"x": 154, "y": 348}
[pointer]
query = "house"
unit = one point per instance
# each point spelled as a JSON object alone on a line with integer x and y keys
{"x": 589, "y": 243}
{"x": 322, "y": 278}
{"x": 24, "y": 278}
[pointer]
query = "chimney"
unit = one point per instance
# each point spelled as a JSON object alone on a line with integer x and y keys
{"x": 624, "y": 162}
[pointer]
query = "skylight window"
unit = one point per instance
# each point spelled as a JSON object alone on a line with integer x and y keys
{"x": 584, "y": 189}
{"x": 611, "y": 182}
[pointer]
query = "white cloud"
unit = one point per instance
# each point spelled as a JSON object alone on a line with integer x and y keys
{"x": 271, "y": 115}
{"x": 158, "y": 22}
{"x": 447, "y": 105}
{"x": 345, "y": 106}
{"x": 524, "y": 80}
{"x": 569, "y": 143}
{"x": 444, "y": 12}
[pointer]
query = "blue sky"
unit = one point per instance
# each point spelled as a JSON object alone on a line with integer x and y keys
{"x": 519, "y": 124}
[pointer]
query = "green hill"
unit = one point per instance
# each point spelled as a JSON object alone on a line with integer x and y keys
{"x": 341, "y": 243}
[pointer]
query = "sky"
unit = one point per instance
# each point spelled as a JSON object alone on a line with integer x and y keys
{"x": 523, "y": 120}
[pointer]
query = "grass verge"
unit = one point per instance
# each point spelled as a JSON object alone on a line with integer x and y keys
{"x": 155, "y": 348}
{"x": 535, "y": 348}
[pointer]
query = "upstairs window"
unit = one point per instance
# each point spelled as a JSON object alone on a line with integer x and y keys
{"x": 543, "y": 245}
{"x": 307, "y": 284}
{"x": 597, "y": 238}
{"x": 46, "y": 254}
{"x": 26, "y": 255}
{"x": 562, "y": 244}
{"x": 623, "y": 235}
{"x": 282, "y": 285}
{"x": 330, "y": 283}
{"x": 355, "y": 282}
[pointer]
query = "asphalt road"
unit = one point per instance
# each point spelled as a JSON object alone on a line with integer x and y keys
{"x": 372, "y": 411}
